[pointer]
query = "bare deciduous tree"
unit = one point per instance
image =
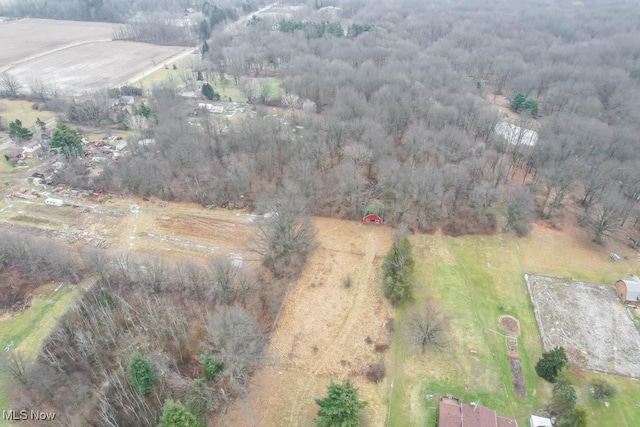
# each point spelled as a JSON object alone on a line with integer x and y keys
{"x": 428, "y": 328}
{"x": 10, "y": 87}
{"x": 238, "y": 339}
{"x": 286, "y": 234}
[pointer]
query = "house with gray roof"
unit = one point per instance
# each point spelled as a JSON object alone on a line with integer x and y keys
{"x": 629, "y": 290}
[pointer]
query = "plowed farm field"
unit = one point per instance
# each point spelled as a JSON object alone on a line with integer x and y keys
{"x": 75, "y": 56}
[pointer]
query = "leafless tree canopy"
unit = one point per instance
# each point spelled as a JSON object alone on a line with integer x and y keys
{"x": 285, "y": 234}
{"x": 9, "y": 86}
{"x": 428, "y": 329}
{"x": 239, "y": 339}
{"x": 138, "y": 305}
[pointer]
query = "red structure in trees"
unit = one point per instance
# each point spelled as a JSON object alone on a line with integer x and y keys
{"x": 372, "y": 219}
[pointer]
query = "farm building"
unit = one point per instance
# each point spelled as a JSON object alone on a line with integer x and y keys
{"x": 373, "y": 214}
{"x": 31, "y": 150}
{"x": 212, "y": 108}
{"x": 14, "y": 155}
{"x": 629, "y": 290}
{"x": 127, "y": 100}
{"x": 146, "y": 142}
{"x": 536, "y": 421}
{"x": 454, "y": 413}
{"x": 516, "y": 135}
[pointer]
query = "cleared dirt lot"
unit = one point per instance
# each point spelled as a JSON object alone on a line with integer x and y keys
{"x": 587, "y": 318}
{"x": 326, "y": 331}
{"x": 23, "y": 39}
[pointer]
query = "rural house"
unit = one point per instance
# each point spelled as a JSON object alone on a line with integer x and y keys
{"x": 454, "y": 413}
{"x": 14, "y": 155}
{"x": 629, "y": 290}
{"x": 127, "y": 100}
{"x": 31, "y": 150}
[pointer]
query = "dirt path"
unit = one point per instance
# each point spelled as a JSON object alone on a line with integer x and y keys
{"x": 303, "y": 394}
{"x": 162, "y": 64}
{"x": 233, "y": 27}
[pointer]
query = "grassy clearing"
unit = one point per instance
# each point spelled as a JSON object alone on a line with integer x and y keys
{"x": 275, "y": 89}
{"x": 557, "y": 253}
{"x": 5, "y": 166}
{"x": 18, "y": 109}
{"x": 476, "y": 280}
{"x": 27, "y": 330}
{"x": 168, "y": 72}
{"x": 624, "y": 409}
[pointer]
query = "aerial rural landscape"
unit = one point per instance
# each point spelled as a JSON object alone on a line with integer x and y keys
{"x": 328, "y": 212}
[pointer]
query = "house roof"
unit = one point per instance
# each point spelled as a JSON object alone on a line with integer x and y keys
{"x": 536, "y": 421}
{"x": 517, "y": 135}
{"x": 633, "y": 288}
{"x": 450, "y": 413}
{"x": 478, "y": 416}
{"x": 15, "y": 153}
{"x": 454, "y": 413}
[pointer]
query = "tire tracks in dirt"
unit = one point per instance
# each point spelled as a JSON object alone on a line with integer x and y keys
{"x": 364, "y": 274}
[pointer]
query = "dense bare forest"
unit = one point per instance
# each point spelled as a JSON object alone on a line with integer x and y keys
{"x": 392, "y": 103}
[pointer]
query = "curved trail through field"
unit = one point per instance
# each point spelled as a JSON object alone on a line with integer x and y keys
{"x": 49, "y": 52}
{"x": 352, "y": 315}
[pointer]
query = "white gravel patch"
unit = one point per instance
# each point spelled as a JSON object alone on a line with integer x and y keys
{"x": 588, "y": 318}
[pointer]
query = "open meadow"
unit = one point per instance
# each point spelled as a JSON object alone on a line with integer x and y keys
{"x": 476, "y": 280}
{"x": 326, "y": 331}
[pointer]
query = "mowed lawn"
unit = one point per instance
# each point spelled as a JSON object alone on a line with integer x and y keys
{"x": 476, "y": 280}
{"x": 12, "y": 109}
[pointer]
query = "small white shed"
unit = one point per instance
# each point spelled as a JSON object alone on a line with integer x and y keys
{"x": 536, "y": 421}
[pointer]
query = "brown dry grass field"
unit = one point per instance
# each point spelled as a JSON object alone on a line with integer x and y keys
{"x": 326, "y": 331}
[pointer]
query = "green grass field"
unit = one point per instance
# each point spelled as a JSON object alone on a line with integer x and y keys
{"x": 225, "y": 87}
{"x": 17, "y": 109}
{"x": 476, "y": 280}
{"x": 27, "y": 330}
